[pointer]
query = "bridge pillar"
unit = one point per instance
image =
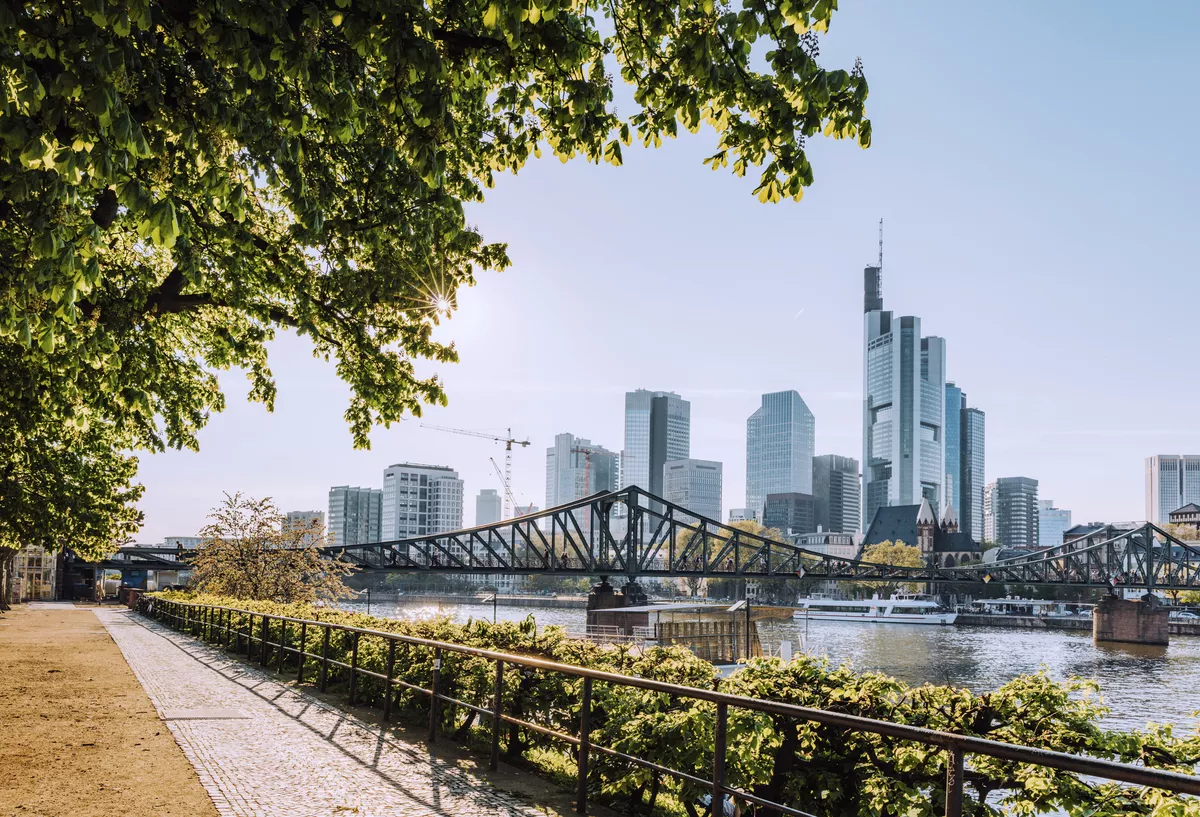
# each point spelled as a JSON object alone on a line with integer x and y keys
{"x": 1140, "y": 622}
{"x": 605, "y": 603}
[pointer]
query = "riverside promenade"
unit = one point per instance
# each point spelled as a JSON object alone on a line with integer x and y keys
{"x": 262, "y": 747}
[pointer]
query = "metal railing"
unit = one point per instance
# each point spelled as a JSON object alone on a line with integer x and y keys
{"x": 215, "y": 623}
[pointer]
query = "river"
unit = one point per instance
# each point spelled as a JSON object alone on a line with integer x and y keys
{"x": 1138, "y": 684}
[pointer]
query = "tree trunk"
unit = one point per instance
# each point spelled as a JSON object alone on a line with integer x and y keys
{"x": 8, "y": 557}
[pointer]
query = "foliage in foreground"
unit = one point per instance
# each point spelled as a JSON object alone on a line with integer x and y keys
{"x": 819, "y": 769}
{"x": 251, "y": 552}
{"x": 181, "y": 180}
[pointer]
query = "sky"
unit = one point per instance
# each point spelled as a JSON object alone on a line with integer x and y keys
{"x": 1033, "y": 163}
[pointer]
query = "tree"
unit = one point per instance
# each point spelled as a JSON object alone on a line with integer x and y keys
{"x": 180, "y": 180}
{"x": 66, "y": 480}
{"x": 248, "y": 553}
{"x": 896, "y": 554}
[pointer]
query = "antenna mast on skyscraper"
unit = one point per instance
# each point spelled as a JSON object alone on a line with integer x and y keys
{"x": 881, "y": 244}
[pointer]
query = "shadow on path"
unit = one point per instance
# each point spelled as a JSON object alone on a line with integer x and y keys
{"x": 441, "y": 773}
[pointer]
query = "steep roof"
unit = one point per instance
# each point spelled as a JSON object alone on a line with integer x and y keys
{"x": 949, "y": 515}
{"x": 925, "y": 515}
{"x": 1191, "y": 507}
{"x": 898, "y": 523}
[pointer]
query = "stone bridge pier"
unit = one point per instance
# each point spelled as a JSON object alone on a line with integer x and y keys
{"x": 1143, "y": 621}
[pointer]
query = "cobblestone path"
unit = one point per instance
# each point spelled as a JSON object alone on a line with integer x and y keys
{"x": 264, "y": 749}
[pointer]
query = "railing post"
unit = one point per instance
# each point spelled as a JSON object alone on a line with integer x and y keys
{"x": 585, "y": 745}
{"x": 282, "y": 640}
{"x": 433, "y": 694}
{"x": 497, "y": 714}
{"x": 262, "y": 644}
{"x": 324, "y": 658}
{"x": 954, "y": 781}
{"x": 387, "y": 684}
{"x": 718, "y": 792}
{"x": 300, "y": 652}
{"x": 353, "y": 667}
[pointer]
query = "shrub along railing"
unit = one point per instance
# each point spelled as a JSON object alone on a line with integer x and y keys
{"x": 273, "y": 639}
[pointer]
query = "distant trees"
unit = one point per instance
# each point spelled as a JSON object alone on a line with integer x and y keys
{"x": 719, "y": 587}
{"x": 895, "y": 553}
{"x": 248, "y": 553}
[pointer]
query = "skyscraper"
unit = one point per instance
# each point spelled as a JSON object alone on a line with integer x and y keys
{"x": 419, "y": 500}
{"x": 1015, "y": 507}
{"x": 971, "y": 442}
{"x": 964, "y": 460}
{"x": 904, "y": 388}
{"x": 658, "y": 429}
{"x": 955, "y": 404}
{"x": 487, "y": 507}
{"x": 354, "y": 515}
{"x": 1052, "y": 523}
{"x": 1172, "y": 481}
{"x": 780, "y": 437}
{"x": 989, "y": 513}
{"x": 695, "y": 485}
{"x": 792, "y": 513}
{"x": 576, "y": 468}
{"x": 837, "y": 492}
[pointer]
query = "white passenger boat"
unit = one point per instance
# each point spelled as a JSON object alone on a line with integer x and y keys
{"x": 900, "y": 609}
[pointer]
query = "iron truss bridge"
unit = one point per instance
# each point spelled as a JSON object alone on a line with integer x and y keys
{"x": 632, "y": 533}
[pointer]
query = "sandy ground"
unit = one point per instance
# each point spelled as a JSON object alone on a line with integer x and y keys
{"x": 78, "y": 736}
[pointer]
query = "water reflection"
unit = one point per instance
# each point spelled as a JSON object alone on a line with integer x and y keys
{"x": 1138, "y": 683}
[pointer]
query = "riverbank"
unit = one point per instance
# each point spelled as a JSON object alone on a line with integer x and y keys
{"x": 78, "y": 735}
{"x": 1055, "y": 623}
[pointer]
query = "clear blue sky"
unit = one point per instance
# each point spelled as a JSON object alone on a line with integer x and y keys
{"x": 1034, "y": 164}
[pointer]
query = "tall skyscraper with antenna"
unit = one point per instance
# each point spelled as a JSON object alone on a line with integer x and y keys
{"x": 904, "y": 392}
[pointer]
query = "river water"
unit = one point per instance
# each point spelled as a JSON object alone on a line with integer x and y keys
{"x": 1139, "y": 684}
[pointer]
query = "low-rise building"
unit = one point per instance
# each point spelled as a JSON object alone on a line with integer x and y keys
{"x": 841, "y": 545}
{"x": 940, "y": 542}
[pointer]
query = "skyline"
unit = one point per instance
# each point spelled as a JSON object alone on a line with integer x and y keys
{"x": 1054, "y": 257}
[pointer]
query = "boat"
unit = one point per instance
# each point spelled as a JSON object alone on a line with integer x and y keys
{"x": 903, "y": 608}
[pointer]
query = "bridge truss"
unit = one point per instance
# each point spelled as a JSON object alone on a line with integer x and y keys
{"x": 632, "y": 533}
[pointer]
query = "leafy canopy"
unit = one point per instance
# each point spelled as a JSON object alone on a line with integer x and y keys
{"x": 64, "y": 478}
{"x": 179, "y": 180}
{"x": 892, "y": 553}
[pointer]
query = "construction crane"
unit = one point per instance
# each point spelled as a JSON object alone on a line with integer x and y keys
{"x": 508, "y": 494}
{"x": 508, "y": 441}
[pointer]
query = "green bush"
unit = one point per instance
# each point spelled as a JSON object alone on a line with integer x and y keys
{"x": 820, "y": 769}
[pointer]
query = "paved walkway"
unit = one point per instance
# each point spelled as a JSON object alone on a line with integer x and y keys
{"x": 264, "y": 749}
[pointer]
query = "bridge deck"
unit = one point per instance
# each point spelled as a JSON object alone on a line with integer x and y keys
{"x": 262, "y": 747}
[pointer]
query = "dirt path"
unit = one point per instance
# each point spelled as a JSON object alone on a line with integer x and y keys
{"x": 78, "y": 736}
